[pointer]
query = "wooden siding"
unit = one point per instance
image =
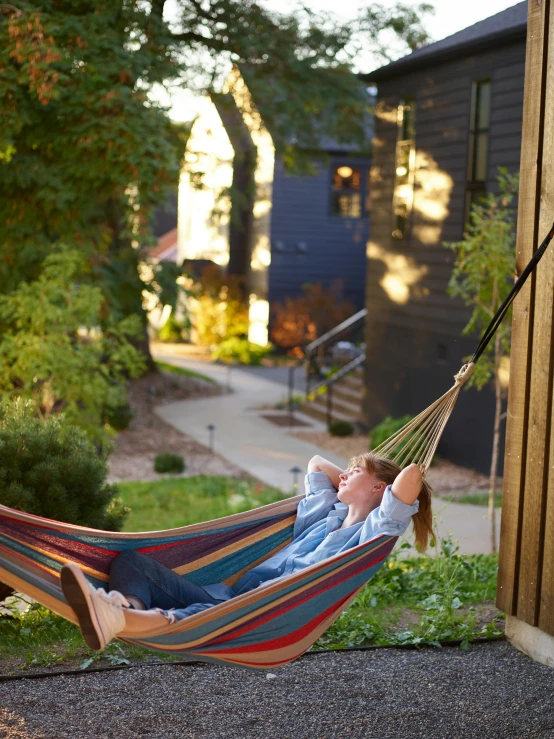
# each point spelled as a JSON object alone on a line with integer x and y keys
{"x": 415, "y": 346}
{"x": 335, "y": 246}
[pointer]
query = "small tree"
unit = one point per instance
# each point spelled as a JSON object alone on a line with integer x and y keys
{"x": 51, "y": 469}
{"x": 481, "y": 277}
{"x": 53, "y": 351}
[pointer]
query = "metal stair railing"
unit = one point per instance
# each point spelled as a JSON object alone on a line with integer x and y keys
{"x": 319, "y": 353}
{"x": 321, "y": 359}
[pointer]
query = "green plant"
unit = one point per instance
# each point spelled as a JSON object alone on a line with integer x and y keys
{"x": 53, "y": 470}
{"x": 341, "y": 428}
{"x": 422, "y": 600}
{"x": 174, "y": 330}
{"x": 169, "y": 463}
{"x": 117, "y": 409}
{"x": 53, "y": 351}
{"x": 218, "y": 309}
{"x": 386, "y": 428}
{"x": 482, "y": 277}
{"x": 241, "y": 351}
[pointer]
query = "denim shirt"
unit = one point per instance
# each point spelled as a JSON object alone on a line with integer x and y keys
{"x": 317, "y": 533}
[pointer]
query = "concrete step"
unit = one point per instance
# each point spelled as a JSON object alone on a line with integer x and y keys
{"x": 352, "y": 395}
{"x": 353, "y": 383}
{"x": 342, "y": 409}
{"x": 319, "y": 413}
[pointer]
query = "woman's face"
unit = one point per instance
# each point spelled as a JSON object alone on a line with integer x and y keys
{"x": 357, "y": 486}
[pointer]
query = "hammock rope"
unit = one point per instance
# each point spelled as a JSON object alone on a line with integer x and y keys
{"x": 266, "y": 627}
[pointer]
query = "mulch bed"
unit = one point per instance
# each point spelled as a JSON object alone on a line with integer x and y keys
{"x": 148, "y": 435}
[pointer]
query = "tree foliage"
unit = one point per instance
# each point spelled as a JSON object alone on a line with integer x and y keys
{"x": 86, "y": 154}
{"x": 53, "y": 352}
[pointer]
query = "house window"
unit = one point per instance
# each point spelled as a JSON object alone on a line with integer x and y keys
{"x": 479, "y": 124}
{"x": 347, "y": 191}
{"x": 404, "y": 169}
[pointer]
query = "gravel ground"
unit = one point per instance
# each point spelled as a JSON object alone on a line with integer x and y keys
{"x": 493, "y": 691}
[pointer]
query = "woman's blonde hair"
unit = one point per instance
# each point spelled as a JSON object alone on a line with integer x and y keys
{"x": 387, "y": 471}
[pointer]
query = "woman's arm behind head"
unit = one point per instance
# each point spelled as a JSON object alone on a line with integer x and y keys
{"x": 320, "y": 464}
{"x": 407, "y": 485}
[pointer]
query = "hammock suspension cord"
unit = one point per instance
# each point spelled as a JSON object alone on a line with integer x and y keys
{"x": 416, "y": 442}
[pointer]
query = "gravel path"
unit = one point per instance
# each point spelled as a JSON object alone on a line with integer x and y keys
{"x": 493, "y": 691}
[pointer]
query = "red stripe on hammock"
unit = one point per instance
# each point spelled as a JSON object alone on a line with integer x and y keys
{"x": 284, "y": 641}
{"x": 293, "y": 602}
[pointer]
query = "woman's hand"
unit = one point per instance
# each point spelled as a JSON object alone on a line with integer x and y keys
{"x": 320, "y": 464}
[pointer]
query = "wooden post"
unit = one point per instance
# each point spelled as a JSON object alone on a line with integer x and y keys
{"x": 526, "y": 575}
{"x": 527, "y": 240}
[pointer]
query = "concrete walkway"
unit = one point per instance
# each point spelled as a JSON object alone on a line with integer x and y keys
{"x": 269, "y": 452}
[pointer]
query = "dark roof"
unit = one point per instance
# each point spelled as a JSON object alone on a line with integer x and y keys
{"x": 508, "y": 25}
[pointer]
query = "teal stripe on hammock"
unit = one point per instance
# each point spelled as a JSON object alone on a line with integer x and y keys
{"x": 32, "y": 555}
{"x": 205, "y": 629}
{"x": 229, "y": 565}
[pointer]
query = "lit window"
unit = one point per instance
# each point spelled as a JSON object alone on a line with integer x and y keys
{"x": 404, "y": 169}
{"x": 347, "y": 191}
{"x": 478, "y": 143}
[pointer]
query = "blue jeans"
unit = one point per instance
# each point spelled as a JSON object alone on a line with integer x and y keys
{"x": 157, "y": 586}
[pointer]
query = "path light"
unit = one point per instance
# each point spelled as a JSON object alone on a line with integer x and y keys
{"x": 295, "y": 472}
{"x": 211, "y": 429}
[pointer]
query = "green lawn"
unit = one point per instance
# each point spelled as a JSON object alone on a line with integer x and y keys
{"x": 172, "y": 368}
{"x": 479, "y": 499}
{"x": 180, "y": 501}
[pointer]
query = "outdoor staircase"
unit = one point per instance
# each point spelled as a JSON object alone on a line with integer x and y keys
{"x": 346, "y": 405}
{"x": 335, "y": 375}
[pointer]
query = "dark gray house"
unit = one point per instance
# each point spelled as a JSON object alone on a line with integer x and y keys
{"x": 448, "y": 115}
{"x": 277, "y": 230}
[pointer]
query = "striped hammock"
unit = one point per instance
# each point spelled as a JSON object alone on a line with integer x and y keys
{"x": 264, "y": 628}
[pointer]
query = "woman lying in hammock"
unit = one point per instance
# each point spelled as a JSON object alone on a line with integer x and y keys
{"x": 341, "y": 510}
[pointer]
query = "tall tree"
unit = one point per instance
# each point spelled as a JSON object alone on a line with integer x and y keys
{"x": 85, "y": 152}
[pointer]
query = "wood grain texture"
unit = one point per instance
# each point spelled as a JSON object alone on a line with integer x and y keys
{"x": 517, "y": 417}
{"x": 546, "y": 592}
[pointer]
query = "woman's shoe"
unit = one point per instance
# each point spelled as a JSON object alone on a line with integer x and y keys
{"x": 100, "y": 614}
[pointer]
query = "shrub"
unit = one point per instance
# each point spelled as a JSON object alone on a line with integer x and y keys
{"x": 218, "y": 308}
{"x": 241, "y": 351}
{"x": 302, "y": 319}
{"x": 386, "y": 429}
{"x": 169, "y": 463}
{"x": 117, "y": 410}
{"x": 174, "y": 330}
{"x": 53, "y": 470}
{"x": 55, "y": 349}
{"x": 341, "y": 428}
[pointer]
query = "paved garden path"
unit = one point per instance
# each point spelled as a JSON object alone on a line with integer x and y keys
{"x": 268, "y": 452}
{"x": 491, "y": 692}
